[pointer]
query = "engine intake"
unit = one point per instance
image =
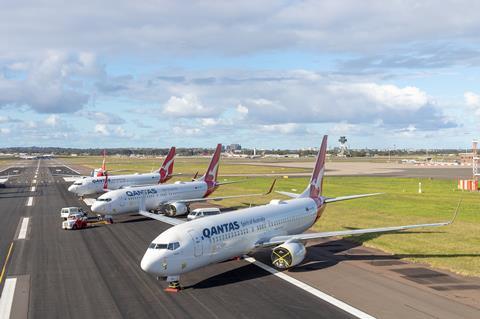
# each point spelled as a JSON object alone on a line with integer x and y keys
{"x": 176, "y": 209}
{"x": 288, "y": 255}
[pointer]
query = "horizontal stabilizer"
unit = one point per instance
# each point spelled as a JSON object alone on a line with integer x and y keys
{"x": 338, "y": 199}
{"x": 289, "y": 194}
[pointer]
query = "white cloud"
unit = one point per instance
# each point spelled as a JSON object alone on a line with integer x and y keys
{"x": 49, "y": 83}
{"x": 385, "y": 95}
{"x": 101, "y": 129}
{"x": 52, "y": 120}
{"x": 472, "y": 99}
{"x": 103, "y": 117}
{"x": 286, "y": 128}
{"x": 4, "y": 130}
{"x": 187, "y": 131}
{"x": 186, "y": 106}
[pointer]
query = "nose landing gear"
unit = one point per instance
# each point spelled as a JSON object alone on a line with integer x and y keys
{"x": 173, "y": 284}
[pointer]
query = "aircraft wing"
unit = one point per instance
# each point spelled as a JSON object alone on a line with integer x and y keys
{"x": 331, "y": 199}
{"x": 231, "y": 182}
{"x": 337, "y": 199}
{"x": 164, "y": 219}
{"x": 204, "y": 199}
{"x": 277, "y": 240}
{"x": 168, "y": 220}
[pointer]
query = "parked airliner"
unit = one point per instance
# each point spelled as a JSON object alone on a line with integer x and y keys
{"x": 94, "y": 185}
{"x": 174, "y": 199}
{"x": 191, "y": 245}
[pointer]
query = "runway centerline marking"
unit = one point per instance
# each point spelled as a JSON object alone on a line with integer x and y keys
{"x": 23, "y": 229}
{"x": 314, "y": 291}
{"x": 34, "y": 181}
{"x": 32, "y": 189}
{"x": 6, "y": 300}
{"x": 30, "y": 201}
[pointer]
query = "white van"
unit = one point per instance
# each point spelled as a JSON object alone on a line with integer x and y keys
{"x": 67, "y": 211}
{"x": 203, "y": 212}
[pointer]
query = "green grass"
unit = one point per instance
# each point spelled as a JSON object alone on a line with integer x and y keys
{"x": 455, "y": 247}
{"x": 187, "y": 166}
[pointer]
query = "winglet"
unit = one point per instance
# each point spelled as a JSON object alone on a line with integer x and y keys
{"x": 194, "y": 178}
{"x": 455, "y": 214}
{"x": 271, "y": 187}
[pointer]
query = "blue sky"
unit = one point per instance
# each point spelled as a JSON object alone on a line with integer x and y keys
{"x": 278, "y": 74}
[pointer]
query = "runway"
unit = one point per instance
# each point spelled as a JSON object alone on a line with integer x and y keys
{"x": 95, "y": 272}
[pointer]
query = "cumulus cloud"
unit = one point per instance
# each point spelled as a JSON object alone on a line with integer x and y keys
{"x": 186, "y": 106}
{"x": 101, "y": 129}
{"x": 53, "y": 120}
{"x": 49, "y": 84}
{"x": 472, "y": 99}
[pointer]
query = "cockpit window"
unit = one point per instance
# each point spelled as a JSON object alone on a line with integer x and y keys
{"x": 171, "y": 246}
{"x": 104, "y": 199}
{"x": 77, "y": 183}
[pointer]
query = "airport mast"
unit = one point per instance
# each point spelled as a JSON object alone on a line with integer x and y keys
{"x": 344, "y": 151}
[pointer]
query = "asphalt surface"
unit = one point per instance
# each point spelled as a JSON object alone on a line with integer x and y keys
{"x": 95, "y": 272}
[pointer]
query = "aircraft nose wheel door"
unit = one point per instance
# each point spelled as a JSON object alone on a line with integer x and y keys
{"x": 197, "y": 241}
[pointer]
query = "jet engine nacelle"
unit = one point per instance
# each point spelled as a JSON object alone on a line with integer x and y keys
{"x": 288, "y": 255}
{"x": 176, "y": 209}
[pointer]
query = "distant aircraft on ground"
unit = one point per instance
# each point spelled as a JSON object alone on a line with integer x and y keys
{"x": 105, "y": 183}
{"x": 188, "y": 246}
{"x": 173, "y": 198}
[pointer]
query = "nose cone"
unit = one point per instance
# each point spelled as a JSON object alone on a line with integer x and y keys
{"x": 97, "y": 207}
{"x": 148, "y": 263}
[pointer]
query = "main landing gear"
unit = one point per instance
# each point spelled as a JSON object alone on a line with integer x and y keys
{"x": 173, "y": 284}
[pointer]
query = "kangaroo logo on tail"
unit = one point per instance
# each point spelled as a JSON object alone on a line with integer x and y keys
{"x": 314, "y": 188}
{"x": 212, "y": 171}
{"x": 167, "y": 167}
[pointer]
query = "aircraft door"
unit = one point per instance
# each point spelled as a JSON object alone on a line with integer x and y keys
{"x": 197, "y": 242}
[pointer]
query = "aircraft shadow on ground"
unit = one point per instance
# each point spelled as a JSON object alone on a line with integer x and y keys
{"x": 240, "y": 274}
{"x": 326, "y": 255}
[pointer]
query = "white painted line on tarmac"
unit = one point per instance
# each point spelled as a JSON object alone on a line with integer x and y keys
{"x": 6, "y": 300}
{"x": 22, "y": 234}
{"x": 30, "y": 201}
{"x": 34, "y": 181}
{"x": 317, "y": 293}
{"x": 32, "y": 189}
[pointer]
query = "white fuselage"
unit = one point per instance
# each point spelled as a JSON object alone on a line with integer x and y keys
{"x": 213, "y": 239}
{"x": 124, "y": 201}
{"x": 94, "y": 185}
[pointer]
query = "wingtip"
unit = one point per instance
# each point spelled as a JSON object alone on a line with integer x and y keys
{"x": 455, "y": 214}
{"x": 271, "y": 186}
